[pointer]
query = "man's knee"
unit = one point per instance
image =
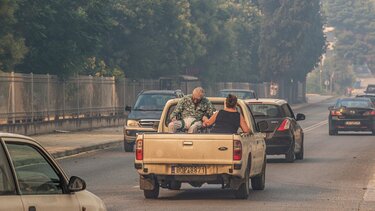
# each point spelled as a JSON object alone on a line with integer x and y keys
{"x": 174, "y": 126}
{"x": 194, "y": 128}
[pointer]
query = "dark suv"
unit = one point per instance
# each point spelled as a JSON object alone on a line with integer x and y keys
{"x": 284, "y": 135}
{"x": 146, "y": 111}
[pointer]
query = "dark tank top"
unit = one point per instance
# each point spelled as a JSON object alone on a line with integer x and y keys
{"x": 226, "y": 122}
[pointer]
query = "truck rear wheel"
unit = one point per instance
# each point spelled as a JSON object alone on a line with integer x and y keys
{"x": 244, "y": 190}
{"x": 152, "y": 194}
{"x": 259, "y": 182}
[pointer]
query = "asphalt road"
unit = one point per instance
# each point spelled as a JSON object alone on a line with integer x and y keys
{"x": 338, "y": 173}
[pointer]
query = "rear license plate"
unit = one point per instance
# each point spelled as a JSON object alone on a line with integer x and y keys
{"x": 188, "y": 170}
{"x": 352, "y": 123}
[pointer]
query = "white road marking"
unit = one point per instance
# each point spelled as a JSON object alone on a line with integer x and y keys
{"x": 137, "y": 186}
{"x": 317, "y": 125}
{"x": 370, "y": 191}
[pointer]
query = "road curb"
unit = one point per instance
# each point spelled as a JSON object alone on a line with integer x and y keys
{"x": 86, "y": 149}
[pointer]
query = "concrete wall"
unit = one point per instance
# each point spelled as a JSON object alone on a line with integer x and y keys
{"x": 65, "y": 125}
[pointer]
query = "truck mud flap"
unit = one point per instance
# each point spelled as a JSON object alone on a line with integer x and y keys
{"x": 146, "y": 183}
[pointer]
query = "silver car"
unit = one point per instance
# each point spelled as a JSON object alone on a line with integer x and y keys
{"x": 30, "y": 179}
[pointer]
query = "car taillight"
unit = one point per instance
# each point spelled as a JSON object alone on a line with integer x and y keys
{"x": 237, "y": 150}
{"x": 139, "y": 149}
{"x": 284, "y": 125}
{"x": 336, "y": 113}
{"x": 369, "y": 113}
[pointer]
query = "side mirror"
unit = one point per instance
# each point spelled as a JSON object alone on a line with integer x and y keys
{"x": 76, "y": 184}
{"x": 263, "y": 126}
{"x": 155, "y": 126}
{"x": 330, "y": 108}
{"x": 128, "y": 108}
{"x": 300, "y": 117}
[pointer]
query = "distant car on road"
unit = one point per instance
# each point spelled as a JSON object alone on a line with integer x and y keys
{"x": 284, "y": 135}
{"x": 370, "y": 89}
{"x": 240, "y": 93}
{"x": 352, "y": 114}
{"x": 30, "y": 179}
{"x": 370, "y": 96}
{"x": 145, "y": 113}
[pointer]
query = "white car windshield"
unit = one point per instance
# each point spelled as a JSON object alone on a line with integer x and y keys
{"x": 152, "y": 102}
{"x": 239, "y": 94}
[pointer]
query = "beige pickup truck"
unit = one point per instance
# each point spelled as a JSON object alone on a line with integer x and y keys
{"x": 233, "y": 160}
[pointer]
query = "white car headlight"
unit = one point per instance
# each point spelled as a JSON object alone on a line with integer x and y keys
{"x": 132, "y": 123}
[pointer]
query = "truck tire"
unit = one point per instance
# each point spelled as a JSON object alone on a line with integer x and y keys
{"x": 299, "y": 155}
{"x": 128, "y": 147}
{"x": 259, "y": 182}
{"x": 290, "y": 155}
{"x": 152, "y": 194}
{"x": 244, "y": 190}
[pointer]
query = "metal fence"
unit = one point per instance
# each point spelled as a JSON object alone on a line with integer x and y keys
{"x": 26, "y": 98}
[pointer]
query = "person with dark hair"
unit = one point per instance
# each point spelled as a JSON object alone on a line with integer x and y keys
{"x": 229, "y": 119}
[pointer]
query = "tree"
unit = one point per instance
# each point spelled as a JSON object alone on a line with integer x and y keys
{"x": 292, "y": 41}
{"x": 354, "y": 29}
{"x": 232, "y": 32}
{"x": 61, "y": 35}
{"x": 12, "y": 46}
{"x": 153, "y": 38}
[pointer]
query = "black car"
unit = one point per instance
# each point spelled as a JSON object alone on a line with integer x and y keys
{"x": 284, "y": 135}
{"x": 240, "y": 93}
{"x": 145, "y": 113}
{"x": 352, "y": 114}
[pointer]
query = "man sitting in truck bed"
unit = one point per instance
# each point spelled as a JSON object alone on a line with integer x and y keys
{"x": 193, "y": 109}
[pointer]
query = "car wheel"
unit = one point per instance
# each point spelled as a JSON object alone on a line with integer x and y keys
{"x": 129, "y": 147}
{"x": 299, "y": 155}
{"x": 290, "y": 156}
{"x": 332, "y": 132}
{"x": 244, "y": 190}
{"x": 259, "y": 182}
{"x": 154, "y": 193}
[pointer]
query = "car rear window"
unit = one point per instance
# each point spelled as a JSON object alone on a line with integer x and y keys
{"x": 265, "y": 110}
{"x": 353, "y": 103}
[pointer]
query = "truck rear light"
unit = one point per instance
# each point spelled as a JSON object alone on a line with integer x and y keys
{"x": 369, "y": 113}
{"x": 336, "y": 113}
{"x": 139, "y": 149}
{"x": 237, "y": 150}
{"x": 284, "y": 125}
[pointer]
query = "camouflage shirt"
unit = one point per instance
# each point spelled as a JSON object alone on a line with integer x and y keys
{"x": 186, "y": 108}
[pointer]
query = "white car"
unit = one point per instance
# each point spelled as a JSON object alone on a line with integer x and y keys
{"x": 31, "y": 180}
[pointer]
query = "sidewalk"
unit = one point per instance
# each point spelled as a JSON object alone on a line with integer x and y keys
{"x": 72, "y": 143}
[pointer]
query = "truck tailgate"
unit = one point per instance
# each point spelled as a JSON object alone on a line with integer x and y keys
{"x": 188, "y": 148}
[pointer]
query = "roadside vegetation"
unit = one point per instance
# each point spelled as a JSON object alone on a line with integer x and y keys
{"x": 216, "y": 40}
